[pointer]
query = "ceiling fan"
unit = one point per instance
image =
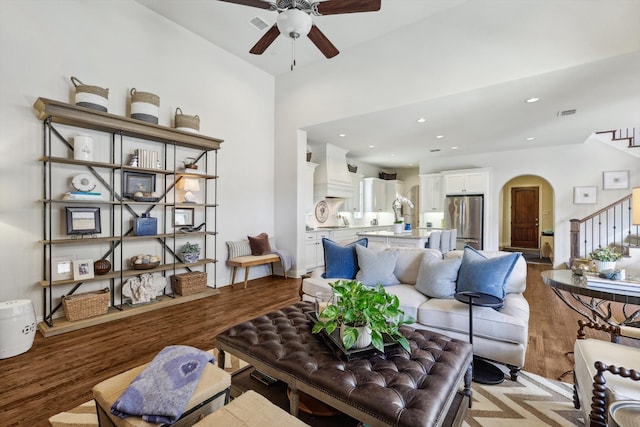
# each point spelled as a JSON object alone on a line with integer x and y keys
{"x": 294, "y": 20}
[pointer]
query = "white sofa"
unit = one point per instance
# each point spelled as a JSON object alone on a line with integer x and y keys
{"x": 500, "y": 335}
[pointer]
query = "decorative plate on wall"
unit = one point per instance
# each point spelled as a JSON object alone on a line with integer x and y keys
{"x": 322, "y": 211}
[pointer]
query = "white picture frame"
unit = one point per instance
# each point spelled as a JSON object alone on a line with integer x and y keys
{"x": 615, "y": 180}
{"x": 82, "y": 269}
{"x": 585, "y": 195}
{"x": 61, "y": 268}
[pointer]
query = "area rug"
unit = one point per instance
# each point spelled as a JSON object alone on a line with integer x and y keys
{"x": 531, "y": 401}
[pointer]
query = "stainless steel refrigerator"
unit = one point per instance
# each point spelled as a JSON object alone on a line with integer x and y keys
{"x": 466, "y": 215}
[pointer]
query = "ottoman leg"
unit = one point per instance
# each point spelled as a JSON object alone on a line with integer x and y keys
{"x": 467, "y": 383}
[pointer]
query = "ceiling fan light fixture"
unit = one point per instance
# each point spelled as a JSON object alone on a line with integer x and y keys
{"x": 294, "y": 23}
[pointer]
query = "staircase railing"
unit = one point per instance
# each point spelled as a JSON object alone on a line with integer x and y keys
{"x": 631, "y": 135}
{"x": 610, "y": 226}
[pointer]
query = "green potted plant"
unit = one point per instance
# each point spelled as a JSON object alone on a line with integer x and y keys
{"x": 605, "y": 258}
{"x": 190, "y": 252}
{"x": 358, "y": 310}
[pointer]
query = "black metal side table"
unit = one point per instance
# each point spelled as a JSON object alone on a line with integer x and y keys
{"x": 483, "y": 371}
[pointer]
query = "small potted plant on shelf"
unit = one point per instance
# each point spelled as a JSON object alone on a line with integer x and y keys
{"x": 363, "y": 315}
{"x": 190, "y": 252}
{"x": 605, "y": 258}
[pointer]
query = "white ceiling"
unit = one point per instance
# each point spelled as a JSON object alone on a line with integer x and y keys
{"x": 596, "y": 70}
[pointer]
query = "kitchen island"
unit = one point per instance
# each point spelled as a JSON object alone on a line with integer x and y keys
{"x": 416, "y": 238}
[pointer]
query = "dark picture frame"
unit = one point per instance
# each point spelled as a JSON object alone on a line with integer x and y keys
{"x": 183, "y": 217}
{"x": 138, "y": 181}
{"x": 83, "y": 220}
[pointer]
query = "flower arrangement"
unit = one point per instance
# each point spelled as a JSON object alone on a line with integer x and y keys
{"x": 606, "y": 254}
{"x": 358, "y": 305}
{"x": 397, "y": 206}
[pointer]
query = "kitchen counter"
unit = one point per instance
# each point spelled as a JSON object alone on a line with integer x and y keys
{"x": 416, "y": 238}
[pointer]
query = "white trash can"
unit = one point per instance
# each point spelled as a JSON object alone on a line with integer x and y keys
{"x": 17, "y": 327}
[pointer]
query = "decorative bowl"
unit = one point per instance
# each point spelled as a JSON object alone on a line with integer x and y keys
{"x": 147, "y": 262}
{"x": 147, "y": 266}
{"x": 101, "y": 266}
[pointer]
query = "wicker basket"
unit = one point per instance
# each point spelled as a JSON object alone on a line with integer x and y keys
{"x": 387, "y": 176}
{"x": 186, "y": 122}
{"x": 352, "y": 168}
{"x": 189, "y": 283}
{"x": 85, "y": 305}
{"x": 145, "y": 106}
{"x": 88, "y": 96}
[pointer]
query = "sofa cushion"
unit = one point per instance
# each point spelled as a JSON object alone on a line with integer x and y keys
{"x": 511, "y": 324}
{"x": 408, "y": 263}
{"x": 376, "y": 267}
{"x": 517, "y": 281}
{"x": 487, "y": 275}
{"x": 341, "y": 261}
{"x": 259, "y": 244}
{"x": 437, "y": 278}
{"x": 410, "y": 298}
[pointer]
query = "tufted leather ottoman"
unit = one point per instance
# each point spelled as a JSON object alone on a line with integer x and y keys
{"x": 392, "y": 389}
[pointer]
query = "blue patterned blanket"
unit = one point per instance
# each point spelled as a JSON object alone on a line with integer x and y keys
{"x": 160, "y": 393}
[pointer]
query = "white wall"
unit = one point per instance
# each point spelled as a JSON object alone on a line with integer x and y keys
{"x": 121, "y": 45}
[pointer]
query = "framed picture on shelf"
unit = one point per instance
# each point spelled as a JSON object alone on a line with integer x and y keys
{"x": 138, "y": 181}
{"x": 613, "y": 180}
{"x": 61, "y": 268}
{"x": 83, "y": 269}
{"x": 183, "y": 217}
{"x": 584, "y": 195}
{"x": 83, "y": 221}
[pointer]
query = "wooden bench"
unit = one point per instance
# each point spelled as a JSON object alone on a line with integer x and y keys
{"x": 240, "y": 256}
{"x": 249, "y": 261}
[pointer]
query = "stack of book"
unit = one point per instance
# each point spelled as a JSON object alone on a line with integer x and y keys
{"x": 82, "y": 195}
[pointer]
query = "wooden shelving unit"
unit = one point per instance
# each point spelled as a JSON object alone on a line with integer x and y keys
{"x": 109, "y": 172}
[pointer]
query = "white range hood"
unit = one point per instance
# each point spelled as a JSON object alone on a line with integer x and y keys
{"x": 331, "y": 178}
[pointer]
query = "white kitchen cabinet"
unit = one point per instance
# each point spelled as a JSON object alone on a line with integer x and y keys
{"x": 431, "y": 197}
{"x": 375, "y": 195}
{"x": 380, "y": 193}
{"x": 466, "y": 182}
{"x": 313, "y": 249}
{"x": 354, "y": 204}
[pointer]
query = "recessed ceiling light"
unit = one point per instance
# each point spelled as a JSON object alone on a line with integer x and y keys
{"x": 372, "y": 146}
{"x": 342, "y": 135}
{"x": 530, "y": 138}
{"x": 421, "y": 120}
{"x": 531, "y": 100}
{"x": 409, "y": 164}
{"x": 454, "y": 148}
{"x": 439, "y": 136}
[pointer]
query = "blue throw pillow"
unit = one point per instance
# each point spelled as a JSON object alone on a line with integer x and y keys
{"x": 341, "y": 262}
{"x": 487, "y": 275}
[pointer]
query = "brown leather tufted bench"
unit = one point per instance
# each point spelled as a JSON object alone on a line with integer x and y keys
{"x": 392, "y": 389}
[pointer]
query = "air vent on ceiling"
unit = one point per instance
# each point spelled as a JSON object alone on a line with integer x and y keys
{"x": 434, "y": 150}
{"x": 258, "y": 23}
{"x": 566, "y": 113}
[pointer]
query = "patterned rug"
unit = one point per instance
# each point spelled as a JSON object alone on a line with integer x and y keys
{"x": 531, "y": 401}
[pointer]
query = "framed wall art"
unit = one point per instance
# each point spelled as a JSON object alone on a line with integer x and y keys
{"x": 83, "y": 221}
{"x": 138, "y": 181}
{"x": 183, "y": 217}
{"x": 613, "y": 180}
{"x": 584, "y": 195}
{"x": 83, "y": 269}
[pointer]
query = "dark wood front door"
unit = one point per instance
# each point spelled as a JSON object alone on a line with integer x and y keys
{"x": 524, "y": 217}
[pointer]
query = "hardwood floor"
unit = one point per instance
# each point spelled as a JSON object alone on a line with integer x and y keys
{"x": 58, "y": 372}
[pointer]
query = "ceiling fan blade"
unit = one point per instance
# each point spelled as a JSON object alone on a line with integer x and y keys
{"x": 253, "y": 3}
{"x": 322, "y": 42}
{"x": 265, "y": 41}
{"x": 334, "y": 7}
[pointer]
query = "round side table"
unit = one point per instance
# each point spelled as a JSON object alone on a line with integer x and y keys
{"x": 483, "y": 371}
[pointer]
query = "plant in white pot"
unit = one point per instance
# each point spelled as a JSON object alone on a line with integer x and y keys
{"x": 190, "y": 252}
{"x": 605, "y": 258}
{"x": 360, "y": 310}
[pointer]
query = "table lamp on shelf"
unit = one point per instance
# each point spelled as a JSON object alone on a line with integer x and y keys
{"x": 188, "y": 185}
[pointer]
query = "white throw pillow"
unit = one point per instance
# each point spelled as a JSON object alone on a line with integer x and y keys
{"x": 437, "y": 278}
{"x": 376, "y": 267}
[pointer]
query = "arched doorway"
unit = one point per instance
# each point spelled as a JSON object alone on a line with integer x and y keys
{"x": 526, "y": 214}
